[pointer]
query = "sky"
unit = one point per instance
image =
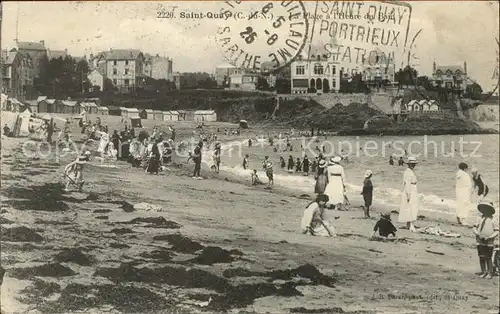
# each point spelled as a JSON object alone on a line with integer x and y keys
{"x": 451, "y": 31}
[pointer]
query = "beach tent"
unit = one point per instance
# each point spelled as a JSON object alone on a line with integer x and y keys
{"x": 147, "y": 114}
{"x": 133, "y": 113}
{"x": 136, "y": 122}
{"x": 166, "y": 116}
{"x": 423, "y": 105}
{"x": 124, "y": 112}
{"x": 92, "y": 108}
{"x": 158, "y": 115}
{"x": 174, "y": 115}
{"x": 40, "y": 98}
{"x": 433, "y": 105}
{"x": 103, "y": 111}
{"x": 205, "y": 115}
{"x": 47, "y": 105}
{"x": 411, "y": 105}
{"x": 243, "y": 124}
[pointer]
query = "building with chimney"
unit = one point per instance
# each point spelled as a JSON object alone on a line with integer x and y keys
{"x": 158, "y": 68}
{"x": 379, "y": 70}
{"x": 124, "y": 67}
{"x": 315, "y": 75}
{"x": 36, "y": 51}
{"x": 55, "y": 54}
{"x": 17, "y": 75}
{"x": 450, "y": 76}
{"x": 223, "y": 72}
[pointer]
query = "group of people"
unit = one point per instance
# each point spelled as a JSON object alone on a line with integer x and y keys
{"x": 330, "y": 189}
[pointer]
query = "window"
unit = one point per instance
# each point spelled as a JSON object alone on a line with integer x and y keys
{"x": 127, "y": 82}
{"x": 126, "y": 62}
{"x": 300, "y": 70}
{"x": 318, "y": 69}
{"x": 115, "y": 71}
{"x": 300, "y": 83}
{"x": 114, "y": 81}
{"x": 126, "y": 71}
{"x": 114, "y": 62}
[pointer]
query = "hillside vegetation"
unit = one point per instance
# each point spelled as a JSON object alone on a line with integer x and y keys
{"x": 258, "y": 109}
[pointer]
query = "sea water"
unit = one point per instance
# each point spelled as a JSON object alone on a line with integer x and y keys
{"x": 438, "y": 158}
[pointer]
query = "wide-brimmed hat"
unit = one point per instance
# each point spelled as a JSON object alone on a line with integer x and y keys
{"x": 412, "y": 160}
{"x": 335, "y": 159}
{"x": 368, "y": 173}
{"x": 486, "y": 208}
{"x": 386, "y": 215}
{"x": 322, "y": 163}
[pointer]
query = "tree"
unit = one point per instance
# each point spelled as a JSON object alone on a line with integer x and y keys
{"x": 473, "y": 91}
{"x": 425, "y": 82}
{"x": 406, "y": 77}
{"x": 262, "y": 83}
{"x": 283, "y": 86}
{"x": 82, "y": 73}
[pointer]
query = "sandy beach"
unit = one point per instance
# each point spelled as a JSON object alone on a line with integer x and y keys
{"x": 210, "y": 246}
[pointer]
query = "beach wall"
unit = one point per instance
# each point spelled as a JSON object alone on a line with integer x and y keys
{"x": 380, "y": 101}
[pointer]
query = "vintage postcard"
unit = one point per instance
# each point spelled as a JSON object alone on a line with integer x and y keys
{"x": 249, "y": 157}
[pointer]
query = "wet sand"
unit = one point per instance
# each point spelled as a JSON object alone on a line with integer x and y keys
{"x": 218, "y": 239}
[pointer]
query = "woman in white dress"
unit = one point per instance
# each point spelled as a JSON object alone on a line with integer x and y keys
{"x": 410, "y": 202}
{"x": 463, "y": 190}
{"x": 336, "y": 183}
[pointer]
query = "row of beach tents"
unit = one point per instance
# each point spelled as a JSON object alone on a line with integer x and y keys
{"x": 416, "y": 106}
{"x": 93, "y": 106}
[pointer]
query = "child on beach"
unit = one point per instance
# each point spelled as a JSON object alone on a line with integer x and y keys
{"x": 486, "y": 234}
{"x": 367, "y": 193}
{"x": 269, "y": 174}
{"x": 255, "y": 178}
{"x": 384, "y": 226}
{"x": 245, "y": 162}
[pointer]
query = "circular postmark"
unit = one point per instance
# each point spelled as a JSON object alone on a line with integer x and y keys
{"x": 262, "y": 36}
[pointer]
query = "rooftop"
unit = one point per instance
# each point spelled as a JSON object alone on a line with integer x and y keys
{"x": 26, "y": 45}
{"x": 55, "y": 54}
{"x": 122, "y": 54}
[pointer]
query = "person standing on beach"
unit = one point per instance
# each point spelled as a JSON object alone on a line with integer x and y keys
{"x": 314, "y": 165}
{"x": 486, "y": 233}
{"x": 367, "y": 192}
{"x": 410, "y": 203}
{"x": 298, "y": 165}
{"x": 196, "y": 156}
{"x": 305, "y": 166}
{"x": 463, "y": 189}
{"x": 282, "y": 162}
{"x": 291, "y": 163}
{"x": 401, "y": 162}
{"x": 336, "y": 183}
{"x": 245, "y": 162}
{"x": 269, "y": 173}
{"x": 482, "y": 189}
{"x": 391, "y": 161}
{"x": 321, "y": 178}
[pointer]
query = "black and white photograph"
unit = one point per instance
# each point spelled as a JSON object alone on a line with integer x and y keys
{"x": 248, "y": 156}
